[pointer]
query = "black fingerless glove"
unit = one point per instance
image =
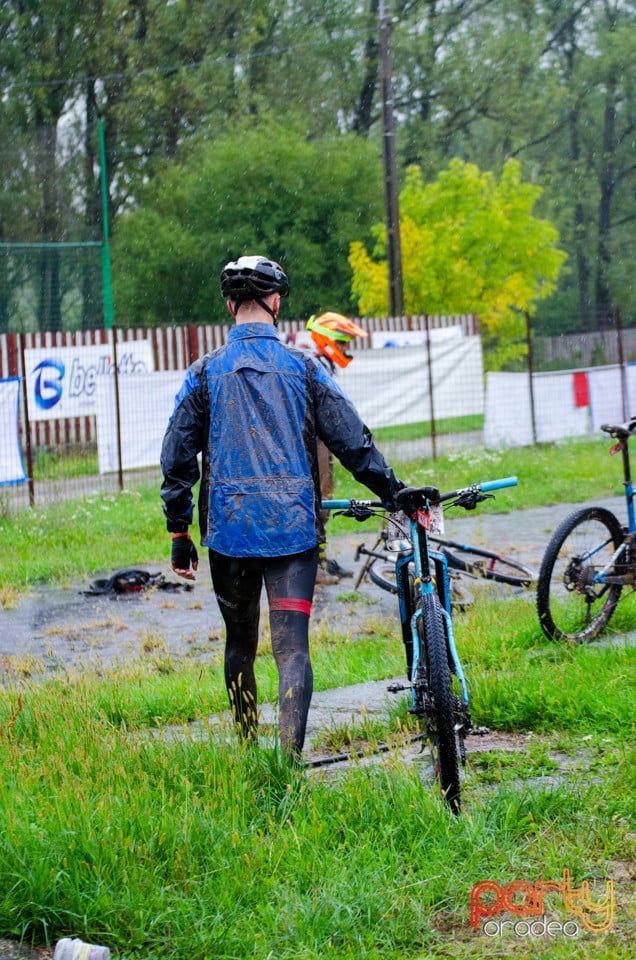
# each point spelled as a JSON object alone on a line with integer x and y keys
{"x": 184, "y": 553}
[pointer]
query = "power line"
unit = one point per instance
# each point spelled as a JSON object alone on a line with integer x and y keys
{"x": 167, "y": 70}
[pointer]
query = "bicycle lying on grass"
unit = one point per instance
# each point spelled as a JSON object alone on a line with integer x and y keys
{"x": 436, "y": 681}
{"x": 466, "y": 563}
{"x": 588, "y": 561}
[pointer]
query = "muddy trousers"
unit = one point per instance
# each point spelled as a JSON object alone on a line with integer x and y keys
{"x": 289, "y": 583}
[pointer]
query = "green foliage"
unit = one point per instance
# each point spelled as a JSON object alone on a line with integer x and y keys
{"x": 550, "y": 84}
{"x": 268, "y": 191}
{"x": 470, "y": 244}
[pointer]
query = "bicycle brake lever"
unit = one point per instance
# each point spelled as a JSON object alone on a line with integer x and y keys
{"x": 471, "y": 498}
{"x": 358, "y": 513}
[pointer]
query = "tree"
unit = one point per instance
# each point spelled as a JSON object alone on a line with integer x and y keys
{"x": 548, "y": 83}
{"x": 470, "y": 244}
{"x": 265, "y": 191}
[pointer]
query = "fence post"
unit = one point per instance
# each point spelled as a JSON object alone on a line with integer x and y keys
{"x": 430, "y": 386}
{"x": 621, "y": 363}
{"x": 27, "y": 422}
{"x": 120, "y": 471}
{"x": 531, "y": 377}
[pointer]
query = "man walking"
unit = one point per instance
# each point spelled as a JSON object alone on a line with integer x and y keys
{"x": 254, "y": 409}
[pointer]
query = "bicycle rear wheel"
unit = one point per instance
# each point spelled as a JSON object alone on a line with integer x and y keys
{"x": 440, "y": 718}
{"x": 479, "y": 562}
{"x": 569, "y": 604}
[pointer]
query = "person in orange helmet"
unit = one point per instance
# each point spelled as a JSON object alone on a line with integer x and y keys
{"x": 330, "y": 333}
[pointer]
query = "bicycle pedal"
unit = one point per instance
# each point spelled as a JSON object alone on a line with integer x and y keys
{"x": 398, "y": 687}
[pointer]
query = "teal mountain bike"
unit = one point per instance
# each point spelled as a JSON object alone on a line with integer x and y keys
{"x": 437, "y": 686}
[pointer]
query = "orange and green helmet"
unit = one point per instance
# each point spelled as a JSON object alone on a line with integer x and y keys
{"x": 330, "y": 331}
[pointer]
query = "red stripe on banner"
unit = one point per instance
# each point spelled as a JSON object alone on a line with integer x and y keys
{"x": 581, "y": 389}
{"x": 290, "y": 603}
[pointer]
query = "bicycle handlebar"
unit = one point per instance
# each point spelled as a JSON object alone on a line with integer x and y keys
{"x": 466, "y": 497}
{"x": 345, "y": 504}
{"x": 481, "y": 487}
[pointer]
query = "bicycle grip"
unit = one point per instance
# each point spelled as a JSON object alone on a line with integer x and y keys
{"x": 498, "y": 484}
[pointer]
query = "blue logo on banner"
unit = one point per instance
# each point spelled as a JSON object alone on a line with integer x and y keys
{"x": 48, "y": 383}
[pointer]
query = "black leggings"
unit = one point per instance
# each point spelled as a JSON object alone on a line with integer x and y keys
{"x": 289, "y": 582}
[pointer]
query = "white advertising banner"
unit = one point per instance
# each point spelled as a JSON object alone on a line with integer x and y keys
{"x": 146, "y": 402}
{"x": 11, "y": 463}
{"x": 560, "y": 410}
{"x": 387, "y": 387}
{"x": 410, "y": 338}
{"x": 508, "y": 414}
{"x": 391, "y": 386}
{"x": 606, "y": 395}
{"x": 63, "y": 381}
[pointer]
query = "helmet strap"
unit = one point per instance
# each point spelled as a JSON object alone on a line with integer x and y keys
{"x": 266, "y": 307}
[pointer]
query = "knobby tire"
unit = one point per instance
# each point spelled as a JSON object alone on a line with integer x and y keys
{"x": 569, "y": 607}
{"x": 442, "y": 721}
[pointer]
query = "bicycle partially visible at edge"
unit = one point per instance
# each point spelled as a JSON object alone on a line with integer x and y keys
{"x": 589, "y": 561}
{"x": 438, "y": 688}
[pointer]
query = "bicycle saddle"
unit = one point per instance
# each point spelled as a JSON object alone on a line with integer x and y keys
{"x": 620, "y": 430}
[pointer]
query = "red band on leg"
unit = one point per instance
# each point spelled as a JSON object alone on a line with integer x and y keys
{"x": 291, "y": 603}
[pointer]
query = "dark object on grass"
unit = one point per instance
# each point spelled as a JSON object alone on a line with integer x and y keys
{"x": 132, "y": 581}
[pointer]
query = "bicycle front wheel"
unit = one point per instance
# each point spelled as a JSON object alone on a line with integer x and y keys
{"x": 570, "y": 605}
{"x": 441, "y": 716}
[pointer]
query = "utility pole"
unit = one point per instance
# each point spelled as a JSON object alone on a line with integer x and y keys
{"x": 107, "y": 288}
{"x": 394, "y": 252}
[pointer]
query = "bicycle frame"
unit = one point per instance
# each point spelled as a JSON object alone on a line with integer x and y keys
{"x": 604, "y": 577}
{"x": 422, "y": 558}
{"x": 623, "y": 446}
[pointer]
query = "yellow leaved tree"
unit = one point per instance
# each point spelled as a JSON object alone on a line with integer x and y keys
{"x": 470, "y": 244}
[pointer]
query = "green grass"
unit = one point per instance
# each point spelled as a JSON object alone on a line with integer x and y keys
{"x": 52, "y": 464}
{"x": 414, "y": 431}
{"x": 184, "y": 846}
{"x": 121, "y": 824}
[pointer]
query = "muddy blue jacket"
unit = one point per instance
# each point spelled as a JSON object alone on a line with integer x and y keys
{"x": 253, "y": 409}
